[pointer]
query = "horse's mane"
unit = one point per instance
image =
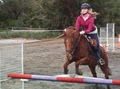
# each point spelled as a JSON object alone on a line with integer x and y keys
{"x": 70, "y": 31}
{"x": 71, "y": 27}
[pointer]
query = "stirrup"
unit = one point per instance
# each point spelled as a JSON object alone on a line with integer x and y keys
{"x": 101, "y": 61}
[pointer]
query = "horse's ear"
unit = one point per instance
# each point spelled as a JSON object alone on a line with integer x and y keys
{"x": 65, "y": 31}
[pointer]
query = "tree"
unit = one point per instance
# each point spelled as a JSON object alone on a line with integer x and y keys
{"x": 11, "y": 12}
{"x": 13, "y": 8}
{"x": 62, "y": 13}
{"x": 55, "y": 13}
{"x": 66, "y": 11}
{"x": 20, "y": 12}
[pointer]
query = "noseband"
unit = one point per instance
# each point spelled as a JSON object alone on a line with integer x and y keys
{"x": 75, "y": 46}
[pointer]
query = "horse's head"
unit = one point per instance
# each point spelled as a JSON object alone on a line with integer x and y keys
{"x": 70, "y": 39}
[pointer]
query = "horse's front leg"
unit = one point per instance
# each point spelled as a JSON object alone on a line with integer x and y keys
{"x": 66, "y": 66}
{"x": 82, "y": 61}
{"x": 77, "y": 70}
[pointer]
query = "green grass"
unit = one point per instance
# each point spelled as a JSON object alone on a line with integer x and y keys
{"x": 31, "y": 35}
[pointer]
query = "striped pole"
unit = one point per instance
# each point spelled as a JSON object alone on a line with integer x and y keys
{"x": 66, "y": 78}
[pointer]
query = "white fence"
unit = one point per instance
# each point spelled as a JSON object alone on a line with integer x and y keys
{"x": 26, "y": 29}
{"x": 107, "y": 36}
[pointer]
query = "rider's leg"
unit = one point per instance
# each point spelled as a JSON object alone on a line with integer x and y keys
{"x": 98, "y": 51}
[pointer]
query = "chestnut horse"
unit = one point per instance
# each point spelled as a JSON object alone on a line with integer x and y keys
{"x": 76, "y": 46}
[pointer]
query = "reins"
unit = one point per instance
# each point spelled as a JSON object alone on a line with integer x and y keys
{"x": 76, "y": 45}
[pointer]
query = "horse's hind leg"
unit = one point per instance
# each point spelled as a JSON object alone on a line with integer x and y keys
{"x": 66, "y": 66}
{"x": 92, "y": 68}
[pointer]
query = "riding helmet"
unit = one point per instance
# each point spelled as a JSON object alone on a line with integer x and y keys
{"x": 85, "y": 5}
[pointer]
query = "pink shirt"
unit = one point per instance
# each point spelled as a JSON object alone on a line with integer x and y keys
{"x": 87, "y": 26}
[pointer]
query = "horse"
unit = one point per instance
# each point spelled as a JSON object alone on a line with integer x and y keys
{"x": 76, "y": 49}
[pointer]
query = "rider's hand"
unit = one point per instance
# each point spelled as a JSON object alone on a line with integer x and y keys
{"x": 82, "y": 32}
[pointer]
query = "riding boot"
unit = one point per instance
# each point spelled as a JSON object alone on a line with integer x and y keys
{"x": 99, "y": 59}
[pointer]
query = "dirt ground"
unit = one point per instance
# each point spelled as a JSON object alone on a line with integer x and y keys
{"x": 47, "y": 58}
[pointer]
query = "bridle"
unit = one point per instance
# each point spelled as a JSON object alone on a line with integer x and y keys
{"x": 75, "y": 46}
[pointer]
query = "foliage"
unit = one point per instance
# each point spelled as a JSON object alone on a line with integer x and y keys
{"x": 30, "y": 35}
{"x": 54, "y": 14}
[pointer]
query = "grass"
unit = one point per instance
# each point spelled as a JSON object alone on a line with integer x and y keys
{"x": 30, "y": 35}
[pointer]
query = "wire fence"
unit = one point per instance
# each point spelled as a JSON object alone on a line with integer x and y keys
{"x": 10, "y": 61}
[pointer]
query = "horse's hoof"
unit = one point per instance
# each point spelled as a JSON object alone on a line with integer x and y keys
{"x": 80, "y": 73}
{"x": 66, "y": 71}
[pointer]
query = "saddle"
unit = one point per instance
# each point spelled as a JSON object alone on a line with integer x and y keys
{"x": 92, "y": 43}
{"x": 92, "y": 46}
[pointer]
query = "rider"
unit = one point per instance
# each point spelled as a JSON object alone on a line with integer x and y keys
{"x": 86, "y": 21}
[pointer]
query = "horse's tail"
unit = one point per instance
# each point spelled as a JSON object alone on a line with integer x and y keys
{"x": 108, "y": 69}
{"x": 105, "y": 67}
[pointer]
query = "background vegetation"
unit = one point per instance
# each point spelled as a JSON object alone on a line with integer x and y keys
{"x": 28, "y": 35}
{"x": 54, "y": 14}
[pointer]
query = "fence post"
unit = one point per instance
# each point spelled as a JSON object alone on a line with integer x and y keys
{"x": 0, "y": 72}
{"x": 107, "y": 38}
{"x": 119, "y": 41}
{"x": 113, "y": 37}
{"x": 22, "y": 61}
